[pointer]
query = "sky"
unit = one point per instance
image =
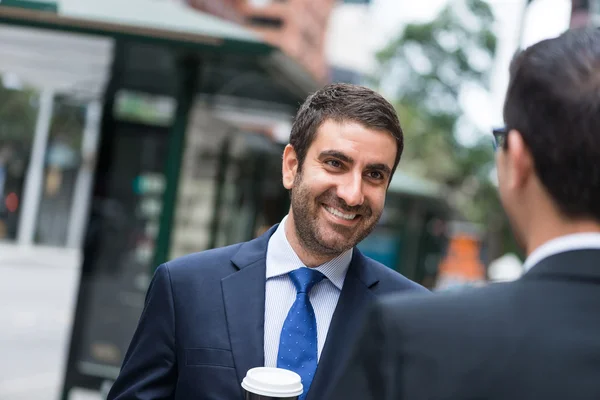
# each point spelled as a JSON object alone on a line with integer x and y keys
{"x": 357, "y": 32}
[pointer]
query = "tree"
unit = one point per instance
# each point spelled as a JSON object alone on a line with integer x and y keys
{"x": 425, "y": 69}
{"x": 18, "y": 111}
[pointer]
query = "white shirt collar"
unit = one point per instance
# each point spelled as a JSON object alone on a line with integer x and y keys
{"x": 282, "y": 259}
{"x": 576, "y": 241}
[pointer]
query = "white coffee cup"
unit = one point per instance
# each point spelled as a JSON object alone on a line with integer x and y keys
{"x": 264, "y": 383}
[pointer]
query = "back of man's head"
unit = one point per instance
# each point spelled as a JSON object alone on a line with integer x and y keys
{"x": 553, "y": 100}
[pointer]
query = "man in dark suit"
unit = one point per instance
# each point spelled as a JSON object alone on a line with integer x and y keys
{"x": 537, "y": 337}
{"x": 210, "y": 317}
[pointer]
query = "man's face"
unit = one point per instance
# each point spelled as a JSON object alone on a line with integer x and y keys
{"x": 339, "y": 192}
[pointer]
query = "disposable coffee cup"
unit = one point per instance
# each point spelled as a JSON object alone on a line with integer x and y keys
{"x": 264, "y": 383}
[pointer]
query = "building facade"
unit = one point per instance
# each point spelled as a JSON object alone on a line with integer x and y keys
{"x": 52, "y": 100}
{"x": 298, "y": 27}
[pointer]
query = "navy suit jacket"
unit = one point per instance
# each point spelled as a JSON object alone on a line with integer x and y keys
{"x": 202, "y": 327}
{"x": 535, "y": 338}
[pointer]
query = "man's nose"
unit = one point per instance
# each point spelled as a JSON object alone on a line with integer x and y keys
{"x": 351, "y": 190}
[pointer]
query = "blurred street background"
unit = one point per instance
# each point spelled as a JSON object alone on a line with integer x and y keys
{"x": 133, "y": 132}
{"x": 37, "y": 293}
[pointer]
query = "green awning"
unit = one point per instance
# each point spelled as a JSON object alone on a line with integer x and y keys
{"x": 166, "y": 22}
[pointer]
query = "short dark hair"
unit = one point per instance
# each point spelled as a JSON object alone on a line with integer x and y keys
{"x": 344, "y": 102}
{"x": 553, "y": 100}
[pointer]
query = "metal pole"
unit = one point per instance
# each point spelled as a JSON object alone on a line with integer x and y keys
{"x": 85, "y": 177}
{"x": 34, "y": 180}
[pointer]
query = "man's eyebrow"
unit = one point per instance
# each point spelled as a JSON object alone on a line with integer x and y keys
{"x": 337, "y": 154}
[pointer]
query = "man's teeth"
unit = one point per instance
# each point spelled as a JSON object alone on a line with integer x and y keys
{"x": 340, "y": 214}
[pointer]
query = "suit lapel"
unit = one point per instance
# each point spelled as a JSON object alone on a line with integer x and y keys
{"x": 352, "y": 306}
{"x": 244, "y": 299}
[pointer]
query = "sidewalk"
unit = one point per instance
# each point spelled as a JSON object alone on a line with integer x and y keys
{"x": 37, "y": 301}
{"x": 27, "y": 256}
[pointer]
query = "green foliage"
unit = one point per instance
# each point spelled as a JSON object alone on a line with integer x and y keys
{"x": 18, "y": 116}
{"x": 18, "y": 112}
{"x": 424, "y": 69}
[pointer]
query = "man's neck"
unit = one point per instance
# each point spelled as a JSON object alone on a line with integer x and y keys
{"x": 308, "y": 258}
{"x": 553, "y": 229}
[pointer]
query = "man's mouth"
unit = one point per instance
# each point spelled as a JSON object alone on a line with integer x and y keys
{"x": 340, "y": 214}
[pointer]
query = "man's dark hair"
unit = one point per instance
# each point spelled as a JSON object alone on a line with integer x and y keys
{"x": 342, "y": 102}
{"x": 553, "y": 100}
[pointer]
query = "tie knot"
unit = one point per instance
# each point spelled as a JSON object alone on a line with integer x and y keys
{"x": 305, "y": 278}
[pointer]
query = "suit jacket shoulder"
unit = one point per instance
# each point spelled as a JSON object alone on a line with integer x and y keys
{"x": 417, "y": 347}
{"x": 531, "y": 338}
{"x": 215, "y": 262}
{"x": 389, "y": 280}
{"x": 449, "y": 308}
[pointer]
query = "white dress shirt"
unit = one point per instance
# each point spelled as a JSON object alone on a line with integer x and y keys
{"x": 281, "y": 292}
{"x": 576, "y": 241}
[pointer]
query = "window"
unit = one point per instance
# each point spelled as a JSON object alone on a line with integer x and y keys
{"x": 61, "y": 166}
{"x": 18, "y": 114}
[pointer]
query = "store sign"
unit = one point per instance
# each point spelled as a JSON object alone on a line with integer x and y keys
{"x": 144, "y": 108}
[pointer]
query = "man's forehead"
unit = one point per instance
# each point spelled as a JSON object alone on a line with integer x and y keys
{"x": 332, "y": 131}
{"x": 353, "y": 136}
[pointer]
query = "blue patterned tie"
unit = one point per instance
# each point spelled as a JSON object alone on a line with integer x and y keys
{"x": 298, "y": 341}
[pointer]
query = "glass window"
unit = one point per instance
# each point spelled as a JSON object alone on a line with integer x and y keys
{"x": 18, "y": 113}
{"x": 61, "y": 166}
{"x": 230, "y": 187}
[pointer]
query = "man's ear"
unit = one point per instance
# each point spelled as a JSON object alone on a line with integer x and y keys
{"x": 289, "y": 166}
{"x": 518, "y": 160}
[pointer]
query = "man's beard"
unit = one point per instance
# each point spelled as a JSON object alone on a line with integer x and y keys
{"x": 309, "y": 225}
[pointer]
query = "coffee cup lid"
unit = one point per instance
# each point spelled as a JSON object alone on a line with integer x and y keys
{"x": 273, "y": 382}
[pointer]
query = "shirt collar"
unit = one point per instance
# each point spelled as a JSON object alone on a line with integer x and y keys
{"x": 282, "y": 259}
{"x": 576, "y": 241}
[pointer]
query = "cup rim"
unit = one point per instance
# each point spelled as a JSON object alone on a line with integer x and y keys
{"x": 253, "y": 384}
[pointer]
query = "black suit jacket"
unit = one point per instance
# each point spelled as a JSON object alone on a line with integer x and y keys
{"x": 202, "y": 327}
{"x": 535, "y": 338}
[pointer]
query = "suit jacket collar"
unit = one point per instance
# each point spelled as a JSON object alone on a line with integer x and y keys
{"x": 361, "y": 269}
{"x": 244, "y": 299}
{"x": 254, "y": 250}
{"x": 583, "y": 265}
{"x": 561, "y": 244}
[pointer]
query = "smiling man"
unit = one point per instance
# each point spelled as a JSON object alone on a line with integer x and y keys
{"x": 293, "y": 297}
{"x": 338, "y": 188}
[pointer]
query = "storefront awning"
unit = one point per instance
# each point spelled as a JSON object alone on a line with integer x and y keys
{"x": 167, "y": 22}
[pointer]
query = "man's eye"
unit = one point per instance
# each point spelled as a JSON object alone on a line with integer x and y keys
{"x": 375, "y": 175}
{"x": 334, "y": 163}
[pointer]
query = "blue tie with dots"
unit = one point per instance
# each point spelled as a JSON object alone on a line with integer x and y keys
{"x": 298, "y": 341}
